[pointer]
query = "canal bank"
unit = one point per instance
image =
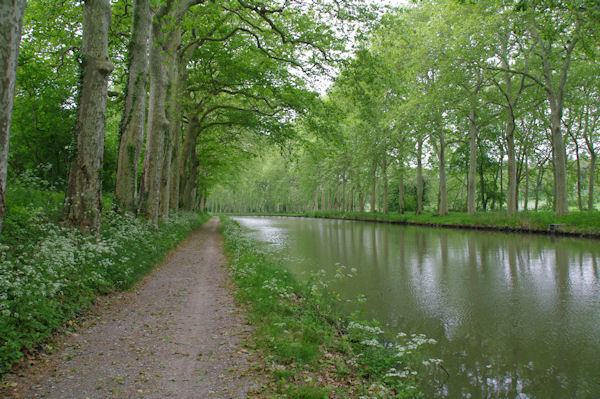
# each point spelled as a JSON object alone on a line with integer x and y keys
{"x": 313, "y": 348}
{"x": 577, "y": 224}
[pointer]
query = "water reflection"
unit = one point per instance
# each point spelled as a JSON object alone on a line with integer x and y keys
{"x": 514, "y": 315}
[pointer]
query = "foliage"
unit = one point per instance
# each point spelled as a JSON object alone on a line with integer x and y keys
{"x": 313, "y": 349}
{"x": 464, "y": 89}
{"x": 50, "y": 273}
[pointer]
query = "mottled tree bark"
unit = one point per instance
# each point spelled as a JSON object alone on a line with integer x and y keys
{"x": 401, "y": 187}
{"x": 419, "y": 209}
{"x": 11, "y": 22}
{"x": 578, "y": 164}
{"x": 172, "y": 133}
{"x": 157, "y": 125}
{"x": 559, "y": 161}
{"x": 83, "y": 205}
{"x": 592, "y": 172}
{"x": 175, "y": 184}
{"x": 373, "y": 183}
{"x": 343, "y": 207}
{"x": 164, "y": 41}
{"x": 472, "y": 161}
{"x": 555, "y": 93}
{"x": 134, "y": 114}
{"x": 509, "y": 134}
{"x": 385, "y": 185}
{"x": 511, "y": 194}
{"x": 441, "y": 153}
{"x": 537, "y": 188}
{"x": 526, "y": 193}
{"x": 188, "y": 167}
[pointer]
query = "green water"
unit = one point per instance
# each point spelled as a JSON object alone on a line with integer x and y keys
{"x": 515, "y": 316}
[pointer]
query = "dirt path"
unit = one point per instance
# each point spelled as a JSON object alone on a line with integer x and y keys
{"x": 179, "y": 334}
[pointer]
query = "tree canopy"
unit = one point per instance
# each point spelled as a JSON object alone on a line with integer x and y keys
{"x": 435, "y": 106}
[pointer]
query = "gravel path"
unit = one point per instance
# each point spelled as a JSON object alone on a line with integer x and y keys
{"x": 178, "y": 334}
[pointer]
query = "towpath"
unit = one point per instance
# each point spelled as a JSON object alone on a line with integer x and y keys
{"x": 177, "y": 334}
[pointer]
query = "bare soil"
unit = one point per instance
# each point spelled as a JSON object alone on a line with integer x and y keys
{"x": 178, "y": 334}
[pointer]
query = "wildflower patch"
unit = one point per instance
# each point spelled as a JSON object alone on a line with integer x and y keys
{"x": 50, "y": 275}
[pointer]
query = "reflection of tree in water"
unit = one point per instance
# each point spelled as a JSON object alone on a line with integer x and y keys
{"x": 512, "y": 314}
{"x": 497, "y": 365}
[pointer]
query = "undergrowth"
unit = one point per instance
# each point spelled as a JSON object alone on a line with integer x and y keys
{"x": 312, "y": 348}
{"x": 49, "y": 273}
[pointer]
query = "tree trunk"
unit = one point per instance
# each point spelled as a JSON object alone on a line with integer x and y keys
{"x": 526, "y": 194}
{"x": 511, "y": 190}
{"x": 373, "y": 183}
{"x": 385, "y": 185}
{"x": 11, "y": 22}
{"x": 175, "y": 182}
{"x": 443, "y": 202}
{"x": 578, "y": 164}
{"x": 555, "y": 95}
{"x": 482, "y": 188}
{"x": 161, "y": 61}
{"x": 501, "y": 176}
{"x": 419, "y": 177}
{"x": 537, "y": 187}
{"x": 186, "y": 161}
{"x": 519, "y": 178}
{"x": 174, "y": 186}
{"x": 560, "y": 161}
{"x": 131, "y": 130}
{"x": 190, "y": 183}
{"x": 591, "y": 182}
{"x": 509, "y": 135}
{"x": 472, "y": 161}
{"x": 172, "y": 134}
{"x": 83, "y": 199}
{"x": 343, "y": 205}
{"x": 401, "y": 188}
{"x": 351, "y": 199}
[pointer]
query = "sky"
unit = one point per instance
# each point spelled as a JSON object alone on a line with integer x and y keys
{"x": 391, "y": 2}
{"x": 322, "y": 83}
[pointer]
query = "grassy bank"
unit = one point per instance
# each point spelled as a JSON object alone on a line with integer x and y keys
{"x": 50, "y": 273}
{"x": 575, "y": 223}
{"x": 312, "y": 349}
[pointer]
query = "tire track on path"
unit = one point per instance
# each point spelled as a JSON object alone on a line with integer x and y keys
{"x": 177, "y": 334}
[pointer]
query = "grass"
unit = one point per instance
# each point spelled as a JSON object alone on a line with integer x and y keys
{"x": 312, "y": 349}
{"x": 49, "y": 273}
{"x": 579, "y": 223}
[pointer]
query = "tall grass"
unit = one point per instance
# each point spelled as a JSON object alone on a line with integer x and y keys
{"x": 313, "y": 349}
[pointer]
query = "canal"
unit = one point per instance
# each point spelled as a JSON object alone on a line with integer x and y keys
{"x": 514, "y": 315}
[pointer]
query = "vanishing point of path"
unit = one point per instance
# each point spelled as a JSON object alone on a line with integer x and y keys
{"x": 178, "y": 334}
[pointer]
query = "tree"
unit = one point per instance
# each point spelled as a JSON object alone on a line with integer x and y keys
{"x": 553, "y": 32}
{"x": 11, "y": 22}
{"x": 83, "y": 200}
{"x": 134, "y": 115}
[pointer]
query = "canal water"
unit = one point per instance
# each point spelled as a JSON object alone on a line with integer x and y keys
{"x": 514, "y": 315}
